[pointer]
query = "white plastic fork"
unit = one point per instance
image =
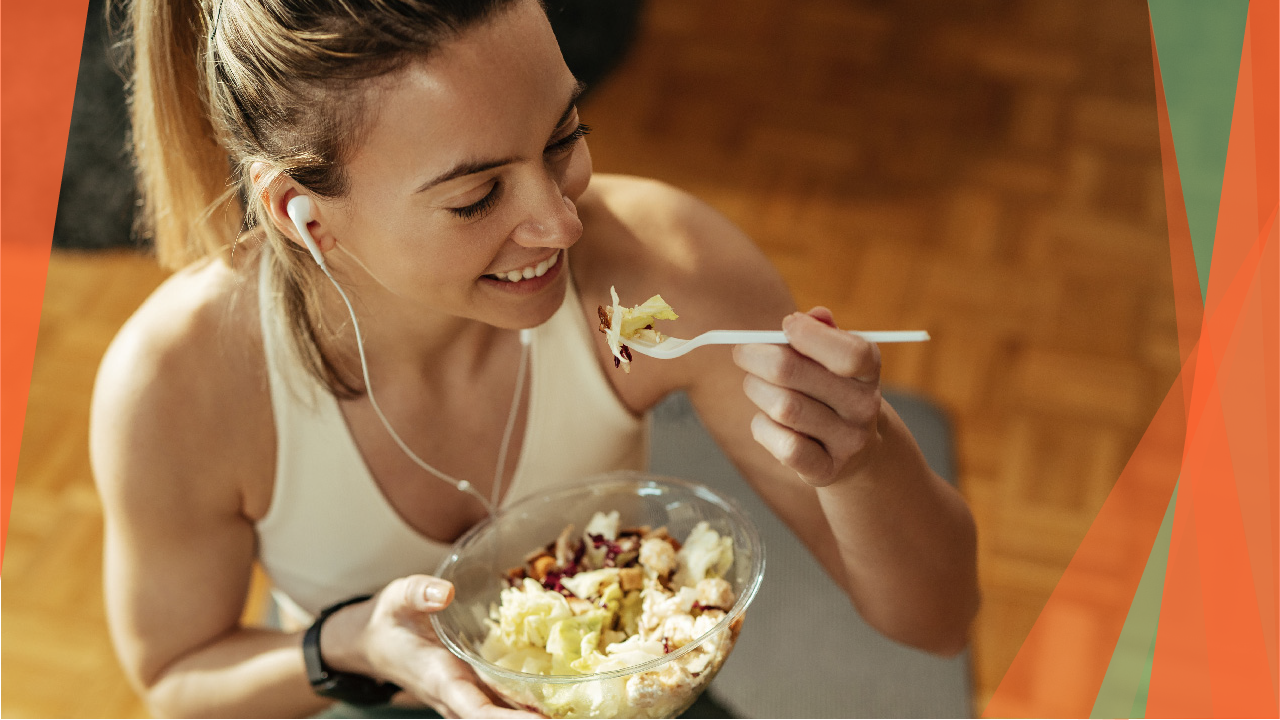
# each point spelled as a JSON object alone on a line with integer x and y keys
{"x": 675, "y": 347}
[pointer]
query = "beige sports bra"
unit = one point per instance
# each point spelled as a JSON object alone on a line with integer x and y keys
{"x": 330, "y": 533}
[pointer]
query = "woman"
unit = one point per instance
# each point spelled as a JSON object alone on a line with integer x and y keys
{"x": 447, "y": 187}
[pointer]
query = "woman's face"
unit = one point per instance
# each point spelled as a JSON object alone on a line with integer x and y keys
{"x": 466, "y": 177}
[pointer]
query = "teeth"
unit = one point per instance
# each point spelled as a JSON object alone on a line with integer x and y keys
{"x": 530, "y": 272}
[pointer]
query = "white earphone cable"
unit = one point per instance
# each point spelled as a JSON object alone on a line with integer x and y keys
{"x": 525, "y": 338}
{"x": 489, "y": 505}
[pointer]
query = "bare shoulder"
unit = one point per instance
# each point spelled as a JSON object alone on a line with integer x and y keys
{"x": 645, "y": 237}
{"x": 655, "y": 238}
{"x": 181, "y": 392}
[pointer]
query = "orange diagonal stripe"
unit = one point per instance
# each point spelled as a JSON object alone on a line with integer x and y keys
{"x": 1216, "y": 649}
{"x": 39, "y": 54}
{"x": 1058, "y": 670}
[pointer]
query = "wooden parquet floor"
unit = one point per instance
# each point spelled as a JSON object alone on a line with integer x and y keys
{"x": 986, "y": 169}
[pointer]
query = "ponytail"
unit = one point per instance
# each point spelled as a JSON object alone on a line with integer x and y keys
{"x": 270, "y": 81}
{"x": 189, "y": 204}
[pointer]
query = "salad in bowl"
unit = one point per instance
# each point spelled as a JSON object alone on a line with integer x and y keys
{"x": 629, "y": 617}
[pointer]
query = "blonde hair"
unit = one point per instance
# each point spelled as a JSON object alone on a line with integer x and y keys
{"x": 217, "y": 85}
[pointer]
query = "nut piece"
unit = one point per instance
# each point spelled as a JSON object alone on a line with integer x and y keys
{"x": 541, "y": 565}
{"x": 604, "y": 316}
{"x": 631, "y": 578}
{"x": 715, "y": 593}
{"x": 658, "y": 555}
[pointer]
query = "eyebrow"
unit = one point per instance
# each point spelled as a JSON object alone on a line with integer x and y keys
{"x": 471, "y": 167}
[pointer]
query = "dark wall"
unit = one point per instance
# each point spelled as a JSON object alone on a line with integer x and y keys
{"x": 95, "y": 207}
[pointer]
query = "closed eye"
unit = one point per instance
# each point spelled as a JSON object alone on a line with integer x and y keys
{"x": 486, "y": 203}
{"x": 567, "y": 142}
{"x": 479, "y": 207}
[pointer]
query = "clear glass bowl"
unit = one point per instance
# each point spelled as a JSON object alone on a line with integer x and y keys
{"x": 658, "y": 688}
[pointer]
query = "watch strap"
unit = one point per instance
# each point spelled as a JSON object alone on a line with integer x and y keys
{"x": 334, "y": 684}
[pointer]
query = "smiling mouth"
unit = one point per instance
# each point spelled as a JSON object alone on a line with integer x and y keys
{"x": 528, "y": 273}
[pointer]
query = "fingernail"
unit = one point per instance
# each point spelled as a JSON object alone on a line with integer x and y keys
{"x": 439, "y": 592}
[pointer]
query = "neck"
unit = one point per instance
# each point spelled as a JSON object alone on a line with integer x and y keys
{"x": 402, "y": 340}
{"x": 398, "y": 337}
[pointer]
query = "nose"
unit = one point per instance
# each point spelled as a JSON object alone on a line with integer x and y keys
{"x": 552, "y": 219}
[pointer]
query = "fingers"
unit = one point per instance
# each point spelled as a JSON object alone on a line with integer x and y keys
{"x": 785, "y": 367}
{"x": 823, "y": 314}
{"x": 463, "y": 699}
{"x": 409, "y": 601}
{"x": 459, "y": 695}
{"x": 407, "y": 652}
{"x": 844, "y": 354}
{"x": 794, "y": 450}
{"x": 421, "y": 593}
{"x": 819, "y": 396}
{"x": 791, "y": 408}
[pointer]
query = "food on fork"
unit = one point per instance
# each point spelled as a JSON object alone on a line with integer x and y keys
{"x": 619, "y": 324}
{"x": 612, "y": 598}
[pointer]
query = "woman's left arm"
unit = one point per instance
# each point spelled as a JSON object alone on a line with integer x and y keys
{"x": 904, "y": 538}
{"x": 805, "y": 423}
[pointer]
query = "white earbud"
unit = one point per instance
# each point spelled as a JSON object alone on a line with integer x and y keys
{"x": 299, "y": 210}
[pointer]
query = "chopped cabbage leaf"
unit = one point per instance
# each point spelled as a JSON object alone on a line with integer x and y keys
{"x": 527, "y": 613}
{"x": 603, "y": 525}
{"x": 578, "y": 620}
{"x": 705, "y": 554}
{"x": 643, "y": 315}
{"x": 589, "y": 584}
{"x": 635, "y": 323}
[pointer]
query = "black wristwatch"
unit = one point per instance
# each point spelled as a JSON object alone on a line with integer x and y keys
{"x": 336, "y": 685}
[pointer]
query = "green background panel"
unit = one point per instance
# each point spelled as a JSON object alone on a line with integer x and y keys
{"x": 1198, "y": 43}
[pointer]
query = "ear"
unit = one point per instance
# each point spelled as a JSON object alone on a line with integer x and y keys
{"x": 275, "y": 197}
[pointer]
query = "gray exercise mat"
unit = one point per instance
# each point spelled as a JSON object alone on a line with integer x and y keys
{"x": 787, "y": 662}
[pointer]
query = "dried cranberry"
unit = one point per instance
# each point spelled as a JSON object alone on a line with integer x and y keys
{"x": 553, "y": 582}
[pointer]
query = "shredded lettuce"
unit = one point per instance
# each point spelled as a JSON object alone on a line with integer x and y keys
{"x": 591, "y": 583}
{"x": 705, "y": 554}
{"x": 578, "y": 620}
{"x": 633, "y": 323}
{"x": 527, "y": 614}
{"x": 643, "y": 315}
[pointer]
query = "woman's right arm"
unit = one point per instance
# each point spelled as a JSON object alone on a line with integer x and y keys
{"x": 171, "y": 462}
{"x": 177, "y": 432}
